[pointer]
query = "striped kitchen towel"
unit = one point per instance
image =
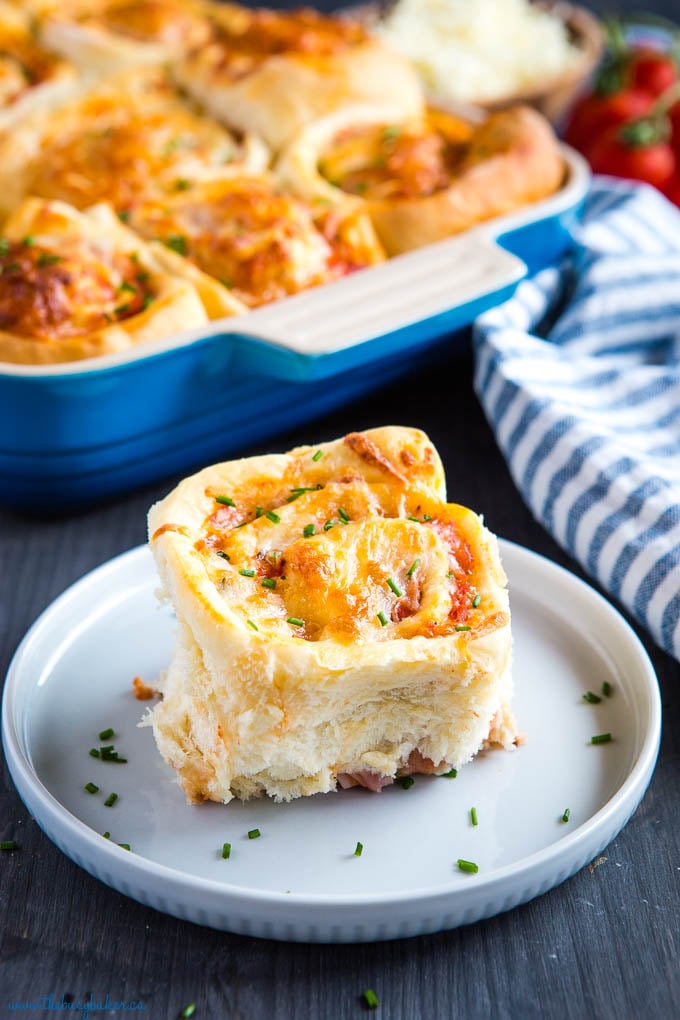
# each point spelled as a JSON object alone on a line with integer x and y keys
{"x": 579, "y": 376}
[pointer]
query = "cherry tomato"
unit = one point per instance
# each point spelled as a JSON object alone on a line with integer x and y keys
{"x": 652, "y": 71}
{"x": 655, "y": 164}
{"x": 594, "y": 114}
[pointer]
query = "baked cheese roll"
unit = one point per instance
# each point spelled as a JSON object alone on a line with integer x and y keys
{"x": 427, "y": 178}
{"x": 75, "y": 285}
{"x": 261, "y": 243}
{"x": 31, "y": 77}
{"x": 339, "y": 623}
{"x": 273, "y": 71}
{"x": 110, "y": 34}
{"x": 130, "y": 136}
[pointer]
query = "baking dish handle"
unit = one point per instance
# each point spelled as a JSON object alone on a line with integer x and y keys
{"x": 401, "y": 304}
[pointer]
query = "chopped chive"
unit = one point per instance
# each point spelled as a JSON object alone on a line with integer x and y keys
{"x": 329, "y": 524}
{"x": 121, "y": 309}
{"x": 45, "y": 258}
{"x": 293, "y": 496}
{"x": 181, "y": 184}
{"x": 273, "y": 517}
{"x": 189, "y": 1010}
{"x": 308, "y": 530}
{"x": 391, "y": 583}
{"x": 108, "y": 754}
{"x": 111, "y": 800}
{"x": 416, "y": 520}
{"x": 178, "y": 243}
{"x": 406, "y": 782}
{"x": 318, "y": 455}
{"x": 123, "y": 215}
{"x": 299, "y": 489}
{"x": 106, "y": 835}
{"x": 125, "y": 846}
{"x": 107, "y": 749}
{"x": 225, "y": 556}
{"x": 607, "y": 689}
{"x": 269, "y": 582}
{"x": 91, "y": 788}
{"x": 4, "y": 246}
{"x": 94, "y": 753}
{"x": 343, "y": 515}
{"x": 469, "y": 866}
{"x": 107, "y": 734}
{"x": 253, "y": 625}
{"x": 476, "y": 600}
{"x": 259, "y": 510}
{"x": 254, "y": 834}
{"x": 295, "y": 621}
{"x": 9, "y": 844}
{"x": 383, "y": 619}
{"x": 592, "y": 699}
{"x": 125, "y": 286}
{"x": 226, "y": 851}
{"x": 565, "y": 816}
{"x": 463, "y": 626}
{"x": 451, "y": 774}
{"x": 601, "y": 738}
{"x": 225, "y": 500}
{"x": 371, "y": 999}
{"x": 473, "y": 816}
{"x": 358, "y": 849}
{"x": 412, "y": 569}
{"x": 427, "y": 517}
{"x": 28, "y": 241}
{"x": 246, "y": 572}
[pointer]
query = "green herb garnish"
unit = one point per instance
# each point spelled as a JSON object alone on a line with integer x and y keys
{"x": 254, "y": 834}
{"x": 47, "y": 259}
{"x": 111, "y": 800}
{"x": 469, "y": 866}
{"x": 392, "y": 584}
{"x": 567, "y": 813}
{"x": 601, "y": 738}
{"x": 308, "y": 530}
{"x": 473, "y": 816}
{"x": 253, "y": 625}
{"x": 269, "y": 582}
{"x": 91, "y": 788}
{"x": 9, "y": 844}
{"x": 295, "y": 621}
{"x": 592, "y": 699}
{"x": 245, "y": 572}
{"x": 371, "y": 999}
{"x": 273, "y": 517}
{"x": 107, "y": 734}
{"x": 412, "y": 569}
{"x": 607, "y": 689}
{"x": 476, "y": 600}
{"x": 226, "y": 851}
{"x": 225, "y": 500}
{"x": 383, "y": 619}
{"x": 451, "y": 774}
{"x": 178, "y": 243}
{"x": 358, "y": 849}
{"x": 343, "y": 515}
{"x": 189, "y": 1010}
{"x": 406, "y": 782}
{"x": 462, "y": 626}
{"x": 318, "y": 455}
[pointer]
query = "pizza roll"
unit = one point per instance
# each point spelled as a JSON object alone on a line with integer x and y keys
{"x": 129, "y": 136}
{"x": 31, "y": 77}
{"x": 424, "y": 179}
{"x": 274, "y": 71}
{"x": 338, "y": 622}
{"x": 78, "y": 284}
{"x": 262, "y": 244}
{"x": 103, "y": 37}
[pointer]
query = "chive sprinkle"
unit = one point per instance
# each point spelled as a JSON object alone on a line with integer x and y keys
{"x": 451, "y": 774}
{"x": 476, "y": 600}
{"x": 329, "y": 524}
{"x": 108, "y": 754}
{"x": 4, "y": 246}
{"x": 28, "y": 241}
{"x": 91, "y": 788}
{"x": 473, "y": 816}
{"x": 416, "y": 520}
{"x": 308, "y": 530}
{"x": 225, "y": 500}
{"x": 111, "y": 800}
{"x": 427, "y": 517}
{"x": 371, "y": 999}
{"x": 601, "y": 738}
{"x": 107, "y": 734}
{"x": 46, "y": 258}
{"x": 125, "y": 286}
{"x": 412, "y": 569}
{"x": 225, "y": 556}
{"x": 253, "y": 625}
{"x": 391, "y": 583}
{"x": 463, "y": 626}
{"x": 607, "y": 689}
{"x": 94, "y": 753}
{"x": 246, "y": 572}
{"x": 592, "y": 699}
{"x": 343, "y": 515}
{"x": 125, "y": 846}
{"x": 565, "y": 816}
{"x": 178, "y": 243}
{"x": 406, "y": 782}
{"x": 9, "y": 844}
{"x": 271, "y": 516}
{"x": 469, "y": 866}
{"x": 106, "y": 835}
{"x": 259, "y": 510}
{"x": 358, "y": 849}
{"x": 295, "y": 621}
{"x": 254, "y": 834}
{"x": 269, "y": 582}
{"x": 188, "y": 1011}
{"x": 226, "y": 851}
{"x": 383, "y": 619}
{"x": 318, "y": 455}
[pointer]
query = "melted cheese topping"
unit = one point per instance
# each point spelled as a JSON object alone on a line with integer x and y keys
{"x": 397, "y": 161}
{"x": 261, "y": 244}
{"x": 154, "y": 21}
{"x": 247, "y": 38}
{"x": 24, "y": 65}
{"x": 67, "y": 290}
{"x": 116, "y": 147}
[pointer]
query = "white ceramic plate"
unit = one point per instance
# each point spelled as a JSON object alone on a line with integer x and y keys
{"x": 71, "y": 678}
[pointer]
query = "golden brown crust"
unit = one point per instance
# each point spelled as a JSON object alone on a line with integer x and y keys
{"x": 417, "y": 180}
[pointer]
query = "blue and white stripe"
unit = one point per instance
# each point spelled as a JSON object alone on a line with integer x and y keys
{"x": 579, "y": 376}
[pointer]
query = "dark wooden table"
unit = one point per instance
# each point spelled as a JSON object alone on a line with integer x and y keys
{"x": 603, "y": 945}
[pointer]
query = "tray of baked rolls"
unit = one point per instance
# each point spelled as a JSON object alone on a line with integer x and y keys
{"x": 219, "y": 221}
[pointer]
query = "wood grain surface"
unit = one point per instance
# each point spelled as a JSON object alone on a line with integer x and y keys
{"x": 603, "y": 945}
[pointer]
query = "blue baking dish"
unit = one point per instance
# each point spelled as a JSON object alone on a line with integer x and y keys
{"x": 81, "y": 432}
